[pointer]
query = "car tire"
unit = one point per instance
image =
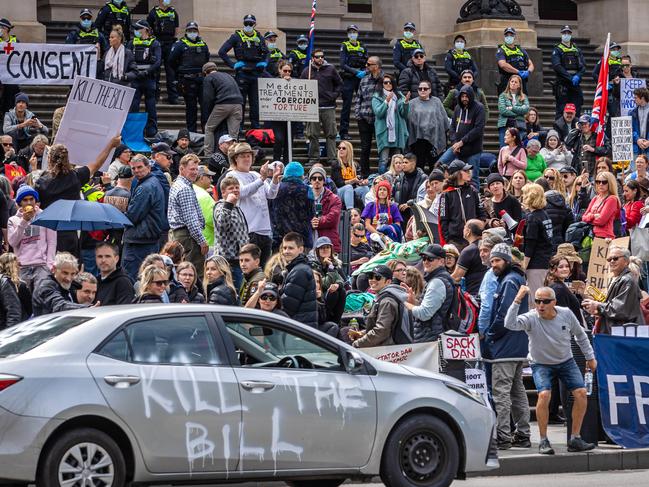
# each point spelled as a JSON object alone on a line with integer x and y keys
{"x": 316, "y": 483}
{"x": 86, "y": 445}
{"x": 420, "y": 451}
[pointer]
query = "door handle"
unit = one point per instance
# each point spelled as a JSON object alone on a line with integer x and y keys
{"x": 121, "y": 381}
{"x": 256, "y": 386}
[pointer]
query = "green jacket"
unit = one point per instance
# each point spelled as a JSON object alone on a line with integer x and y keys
{"x": 535, "y": 167}
{"x": 518, "y": 110}
{"x": 451, "y": 101}
{"x": 380, "y": 109}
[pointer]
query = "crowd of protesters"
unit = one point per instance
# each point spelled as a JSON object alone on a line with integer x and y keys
{"x": 216, "y": 230}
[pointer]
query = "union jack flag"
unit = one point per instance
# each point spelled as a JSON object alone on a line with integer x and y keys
{"x": 311, "y": 34}
{"x": 600, "y": 103}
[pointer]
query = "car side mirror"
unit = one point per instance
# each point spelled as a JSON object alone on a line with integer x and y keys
{"x": 352, "y": 361}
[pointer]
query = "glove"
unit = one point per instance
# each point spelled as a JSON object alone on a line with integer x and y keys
{"x": 239, "y": 65}
{"x": 610, "y": 86}
{"x": 576, "y": 79}
{"x": 524, "y": 74}
{"x": 360, "y": 74}
{"x": 262, "y": 64}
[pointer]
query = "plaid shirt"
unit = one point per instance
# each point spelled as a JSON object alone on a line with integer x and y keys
{"x": 184, "y": 210}
{"x": 363, "y": 105}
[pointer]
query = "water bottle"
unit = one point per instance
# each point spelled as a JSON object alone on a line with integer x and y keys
{"x": 508, "y": 220}
{"x": 463, "y": 284}
{"x": 588, "y": 381}
{"x": 353, "y": 324}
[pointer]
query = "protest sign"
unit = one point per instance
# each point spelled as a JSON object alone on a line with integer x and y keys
{"x": 460, "y": 347}
{"x": 295, "y": 100}
{"x": 622, "y": 139}
{"x": 46, "y": 64}
{"x": 599, "y": 275}
{"x": 627, "y": 85}
{"x": 476, "y": 379}
{"x": 420, "y": 355}
{"x": 95, "y": 113}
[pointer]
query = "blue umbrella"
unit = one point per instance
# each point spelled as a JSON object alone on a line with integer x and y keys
{"x": 81, "y": 215}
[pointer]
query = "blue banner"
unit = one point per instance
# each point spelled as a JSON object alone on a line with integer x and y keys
{"x": 623, "y": 377}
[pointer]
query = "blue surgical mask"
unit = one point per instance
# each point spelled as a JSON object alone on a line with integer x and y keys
{"x": 138, "y": 33}
{"x": 192, "y": 36}
{"x": 408, "y": 35}
{"x": 117, "y": 2}
{"x": 615, "y": 53}
{"x": 86, "y": 24}
{"x": 459, "y": 46}
{"x": 271, "y": 45}
{"x": 166, "y": 3}
{"x": 509, "y": 39}
{"x": 352, "y": 36}
{"x": 248, "y": 29}
{"x": 302, "y": 47}
{"x": 566, "y": 38}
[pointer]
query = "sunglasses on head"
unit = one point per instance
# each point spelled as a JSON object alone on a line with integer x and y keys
{"x": 544, "y": 301}
{"x": 613, "y": 258}
{"x": 268, "y": 297}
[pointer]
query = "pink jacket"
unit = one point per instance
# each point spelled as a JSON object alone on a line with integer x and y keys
{"x": 507, "y": 168}
{"x": 607, "y": 209}
{"x": 33, "y": 245}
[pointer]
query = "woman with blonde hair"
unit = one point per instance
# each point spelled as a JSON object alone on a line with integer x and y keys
{"x": 538, "y": 237}
{"x": 415, "y": 281}
{"x": 516, "y": 183}
{"x": 555, "y": 180}
{"x": 395, "y": 169}
{"x": 604, "y": 208}
{"x": 219, "y": 287}
{"x": 119, "y": 62}
{"x": 13, "y": 293}
{"x": 513, "y": 105}
{"x": 345, "y": 173}
{"x": 153, "y": 284}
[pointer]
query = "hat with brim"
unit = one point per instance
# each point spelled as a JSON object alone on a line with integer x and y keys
{"x": 434, "y": 251}
{"x": 510, "y": 30}
{"x": 568, "y": 252}
{"x": 382, "y": 270}
{"x": 566, "y": 28}
{"x": 458, "y": 165}
{"x": 238, "y": 149}
{"x": 271, "y": 289}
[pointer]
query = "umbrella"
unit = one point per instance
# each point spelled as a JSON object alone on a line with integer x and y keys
{"x": 81, "y": 215}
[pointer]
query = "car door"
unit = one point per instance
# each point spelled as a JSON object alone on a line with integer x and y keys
{"x": 297, "y": 417}
{"x": 169, "y": 380}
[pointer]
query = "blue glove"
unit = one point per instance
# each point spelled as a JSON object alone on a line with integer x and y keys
{"x": 524, "y": 74}
{"x": 576, "y": 79}
{"x": 360, "y": 74}
{"x": 239, "y": 65}
{"x": 262, "y": 64}
{"x": 610, "y": 86}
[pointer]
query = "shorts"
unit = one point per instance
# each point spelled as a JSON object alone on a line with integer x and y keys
{"x": 567, "y": 372}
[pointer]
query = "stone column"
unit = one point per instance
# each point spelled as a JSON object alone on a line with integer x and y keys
{"x": 22, "y": 14}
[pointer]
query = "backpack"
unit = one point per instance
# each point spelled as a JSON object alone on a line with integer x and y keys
{"x": 577, "y": 233}
{"x": 260, "y": 137}
{"x": 463, "y": 312}
{"x": 403, "y": 333}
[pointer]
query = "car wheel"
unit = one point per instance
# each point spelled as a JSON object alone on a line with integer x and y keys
{"x": 420, "y": 451}
{"x": 316, "y": 483}
{"x": 86, "y": 455}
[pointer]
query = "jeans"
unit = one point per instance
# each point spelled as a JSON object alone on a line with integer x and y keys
{"x": 347, "y": 192}
{"x": 237, "y": 277}
{"x": 350, "y": 86}
{"x": 134, "y": 254}
{"x": 248, "y": 82}
{"x": 32, "y": 275}
{"x": 510, "y": 399}
{"x": 232, "y": 114}
{"x": 193, "y": 93}
{"x": 449, "y": 156}
{"x": 89, "y": 261}
{"x": 567, "y": 372}
{"x": 146, "y": 87}
{"x": 328, "y": 124}
{"x": 366, "y": 131}
{"x": 384, "y": 157}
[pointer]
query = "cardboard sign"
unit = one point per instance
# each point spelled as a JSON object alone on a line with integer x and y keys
{"x": 421, "y": 355}
{"x": 627, "y": 101}
{"x": 95, "y": 113}
{"x": 622, "y": 139}
{"x": 460, "y": 347}
{"x": 46, "y": 64}
{"x": 476, "y": 379}
{"x": 599, "y": 275}
{"x": 295, "y": 100}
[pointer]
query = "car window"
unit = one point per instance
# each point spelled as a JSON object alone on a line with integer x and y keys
{"x": 177, "y": 341}
{"x": 266, "y": 345}
{"x": 28, "y": 335}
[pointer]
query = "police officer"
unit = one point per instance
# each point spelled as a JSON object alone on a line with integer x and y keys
{"x": 404, "y": 48}
{"x": 353, "y": 57}
{"x": 615, "y": 72}
{"x": 87, "y": 33}
{"x": 113, "y": 13}
{"x": 457, "y": 60}
{"x": 187, "y": 58}
{"x": 164, "y": 22}
{"x": 512, "y": 59}
{"x": 251, "y": 54}
{"x": 275, "y": 55}
{"x": 148, "y": 57}
{"x": 298, "y": 56}
{"x": 7, "y": 92}
{"x": 569, "y": 65}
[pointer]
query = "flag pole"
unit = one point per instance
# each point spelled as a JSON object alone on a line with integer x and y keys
{"x": 311, "y": 35}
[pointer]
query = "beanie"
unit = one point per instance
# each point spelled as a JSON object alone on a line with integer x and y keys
{"x": 501, "y": 251}
{"x": 22, "y": 97}
{"x": 26, "y": 190}
{"x": 293, "y": 170}
{"x": 318, "y": 170}
{"x": 119, "y": 150}
{"x": 383, "y": 184}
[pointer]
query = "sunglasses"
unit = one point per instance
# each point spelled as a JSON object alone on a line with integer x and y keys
{"x": 268, "y": 297}
{"x": 550, "y": 178}
{"x": 342, "y": 147}
{"x": 578, "y": 185}
{"x": 626, "y": 65}
{"x": 370, "y": 64}
{"x": 565, "y": 176}
{"x": 544, "y": 301}
{"x": 387, "y": 82}
{"x": 319, "y": 56}
{"x": 425, "y": 258}
{"x": 423, "y": 88}
{"x": 374, "y": 277}
{"x": 317, "y": 178}
{"x": 601, "y": 182}
{"x": 249, "y": 24}
{"x": 7, "y": 144}
{"x": 160, "y": 283}
{"x": 358, "y": 236}
{"x": 419, "y": 56}
{"x": 287, "y": 70}
{"x": 613, "y": 259}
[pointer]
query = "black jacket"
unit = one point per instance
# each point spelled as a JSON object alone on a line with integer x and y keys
{"x": 560, "y": 215}
{"x": 117, "y": 288}
{"x": 130, "y": 70}
{"x": 220, "y": 89}
{"x": 451, "y": 215}
{"x": 561, "y": 126}
{"x": 330, "y": 84}
{"x": 468, "y": 124}
{"x": 220, "y": 293}
{"x": 406, "y": 186}
{"x": 148, "y": 298}
{"x": 10, "y": 308}
{"x": 410, "y": 78}
{"x": 298, "y": 293}
{"x": 430, "y": 330}
{"x": 575, "y": 140}
{"x": 50, "y": 297}
{"x": 195, "y": 296}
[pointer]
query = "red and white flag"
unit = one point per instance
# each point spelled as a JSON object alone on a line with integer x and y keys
{"x": 600, "y": 103}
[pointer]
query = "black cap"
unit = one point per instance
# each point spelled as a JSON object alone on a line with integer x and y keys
{"x": 84, "y": 12}
{"x": 124, "y": 172}
{"x": 191, "y": 25}
{"x": 614, "y": 44}
{"x": 409, "y": 25}
{"x": 459, "y": 36}
{"x": 162, "y": 147}
{"x": 566, "y": 28}
{"x": 250, "y": 18}
{"x": 6, "y": 24}
{"x": 120, "y": 149}
{"x": 141, "y": 24}
{"x": 494, "y": 177}
{"x": 382, "y": 270}
{"x": 584, "y": 119}
{"x": 434, "y": 251}
{"x": 270, "y": 33}
{"x": 270, "y": 288}
{"x": 458, "y": 165}
{"x": 183, "y": 134}
{"x": 418, "y": 51}
{"x": 567, "y": 170}
{"x": 436, "y": 175}
{"x": 510, "y": 30}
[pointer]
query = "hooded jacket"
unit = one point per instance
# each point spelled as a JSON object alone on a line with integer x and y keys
{"x": 457, "y": 206}
{"x": 298, "y": 292}
{"x": 560, "y": 215}
{"x": 468, "y": 124}
{"x": 32, "y": 244}
{"x": 116, "y": 288}
{"x": 383, "y": 317}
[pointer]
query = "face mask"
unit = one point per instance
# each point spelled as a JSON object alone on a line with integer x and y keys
{"x": 138, "y": 33}
{"x": 566, "y": 38}
{"x": 615, "y": 53}
{"x": 192, "y": 36}
{"x": 408, "y": 35}
{"x": 271, "y": 45}
{"x": 166, "y": 3}
{"x": 302, "y": 47}
{"x": 117, "y": 2}
{"x": 459, "y": 46}
{"x": 509, "y": 39}
{"x": 352, "y": 36}
{"x": 86, "y": 23}
{"x": 248, "y": 29}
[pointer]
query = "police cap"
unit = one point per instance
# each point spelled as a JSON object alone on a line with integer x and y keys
{"x": 142, "y": 24}
{"x": 250, "y": 18}
{"x": 191, "y": 25}
{"x": 409, "y": 25}
{"x": 6, "y": 24}
{"x": 302, "y": 37}
{"x": 613, "y": 45}
{"x": 270, "y": 33}
{"x": 510, "y": 30}
{"x": 352, "y": 27}
{"x": 85, "y": 12}
{"x": 566, "y": 28}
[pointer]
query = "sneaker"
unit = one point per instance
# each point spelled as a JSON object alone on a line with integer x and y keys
{"x": 545, "y": 448}
{"x": 577, "y": 444}
{"x": 504, "y": 445}
{"x": 521, "y": 442}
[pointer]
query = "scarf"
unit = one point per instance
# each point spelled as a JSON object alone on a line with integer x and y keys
{"x": 390, "y": 121}
{"x": 114, "y": 61}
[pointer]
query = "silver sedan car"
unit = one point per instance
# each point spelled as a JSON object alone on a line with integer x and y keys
{"x": 182, "y": 394}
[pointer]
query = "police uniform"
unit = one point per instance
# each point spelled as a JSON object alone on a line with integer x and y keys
{"x": 187, "y": 59}
{"x": 164, "y": 23}
{"x": 110, "y": 14}
{"x": 402, "y": 52}
{"x": 517, "y": 57}
{"x": 614, "y": 70}
{"x": 567, "y": 62}
{"x": 275, "y": 56}
{"x": 251, "y": 56}
{"x": 148, "y": 58}
{"x": 353, "y": 57}
{"x": 455, "y": 62}
{"x": 297, "y": 57}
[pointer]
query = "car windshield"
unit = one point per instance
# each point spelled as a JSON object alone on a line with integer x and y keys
{"x": 30, "y": 334}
